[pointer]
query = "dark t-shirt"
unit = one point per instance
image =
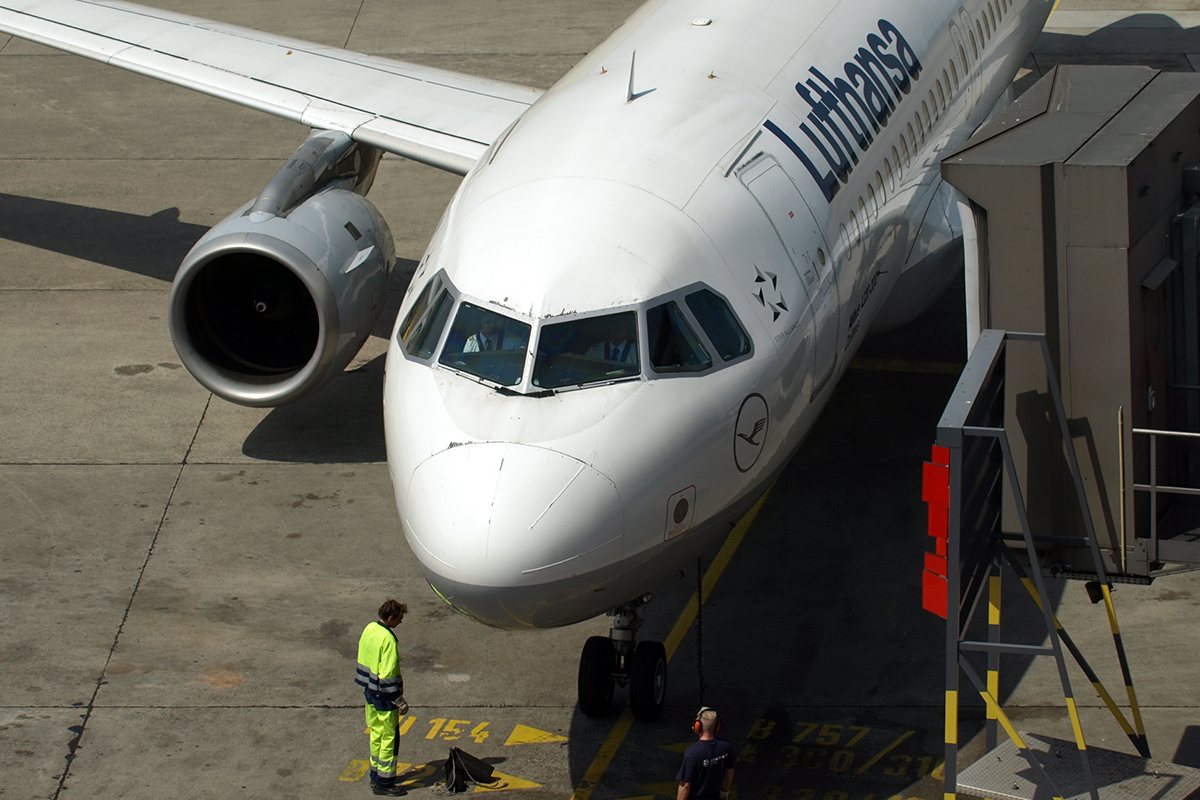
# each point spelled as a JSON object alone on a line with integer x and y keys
{"x": 704, "y": 767}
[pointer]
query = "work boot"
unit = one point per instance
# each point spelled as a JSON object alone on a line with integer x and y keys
{"x": 388, "y": 791}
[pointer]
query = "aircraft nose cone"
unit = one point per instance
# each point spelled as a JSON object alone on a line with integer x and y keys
{"x": 497, "y": 514}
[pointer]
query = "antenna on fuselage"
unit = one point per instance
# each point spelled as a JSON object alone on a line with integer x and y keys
{"x": 632, "y": 60}
{"x": 631, "y": 95}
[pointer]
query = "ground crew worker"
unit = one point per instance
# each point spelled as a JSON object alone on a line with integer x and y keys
{"x": 707, "y": 770}
{"x": 383, "y": 686}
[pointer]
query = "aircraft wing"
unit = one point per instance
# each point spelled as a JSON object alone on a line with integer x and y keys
{"x": 434, "y": 116}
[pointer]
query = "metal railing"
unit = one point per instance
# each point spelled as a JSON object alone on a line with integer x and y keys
{"x": 1153, "y": 486}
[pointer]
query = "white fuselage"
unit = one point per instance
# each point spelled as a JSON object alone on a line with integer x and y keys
{"x": 783, "y": 158}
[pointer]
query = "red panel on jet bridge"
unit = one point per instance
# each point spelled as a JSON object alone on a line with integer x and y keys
{"x": 935, "y": 486}
{"x": 933, "y": 593}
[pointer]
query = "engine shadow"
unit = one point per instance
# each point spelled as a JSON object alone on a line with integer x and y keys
{"x": 152, "y": 246}
{"x": 341, "y": 423}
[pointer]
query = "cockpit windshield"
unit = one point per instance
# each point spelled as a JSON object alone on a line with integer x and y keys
{"x": 687, "y": 332}
{"x": 487, "y": 345}
{"x": 587, "y": 350}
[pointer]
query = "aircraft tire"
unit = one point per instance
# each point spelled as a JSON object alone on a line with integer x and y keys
{"x": 648, "y": 681}
{"x": 595, "y": 676}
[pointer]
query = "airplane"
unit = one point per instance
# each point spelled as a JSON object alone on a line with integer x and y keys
{"x": 638, "y": 301}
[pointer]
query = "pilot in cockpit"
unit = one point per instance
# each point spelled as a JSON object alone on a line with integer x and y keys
{"x": 620, "y": 343}
{"x": 492, "y": 335}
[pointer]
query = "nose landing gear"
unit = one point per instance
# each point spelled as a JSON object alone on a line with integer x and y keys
{"x": 616, "y": 659}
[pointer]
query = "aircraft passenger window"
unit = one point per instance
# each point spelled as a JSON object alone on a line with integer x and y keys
{"x": 891, "y": 176}
{"x": 928, "y": 124}
{"x": 904, "y": 147}
{"x": 953, "y": 71}
{"x": 946, "y": 81}
{"x": 974, "y": 49}
{"x": 846, "y": 245}
{"x": 487, "y": 345}
{"x": 862, "y": 212}
{"x": 986, "y": 28}
{"x": 992, "y": 14}
{"x": 933, "y": 105}
{"x": 719, "y": 322}
{"x": 673, "y": 344}
{"x": 857, "y": 230}
{"x": 423, "y": 326}
{"x": 979, "y": 28}
{"x": 872, "y": 203}
{"x": 587, "y": 350}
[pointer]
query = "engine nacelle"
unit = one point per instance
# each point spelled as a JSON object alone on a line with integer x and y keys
{"x": 267, "y": 308}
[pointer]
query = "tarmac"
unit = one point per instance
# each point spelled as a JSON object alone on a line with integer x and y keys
{"x": 183, "y": 580}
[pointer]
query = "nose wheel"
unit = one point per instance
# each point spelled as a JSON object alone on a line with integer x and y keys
{"x": 615, "y": 659}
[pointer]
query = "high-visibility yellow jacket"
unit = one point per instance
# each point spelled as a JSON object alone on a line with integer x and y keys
{"x": 379, "y": 667}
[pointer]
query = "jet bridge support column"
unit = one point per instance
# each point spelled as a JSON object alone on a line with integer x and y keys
{"x": 962, "y": 486}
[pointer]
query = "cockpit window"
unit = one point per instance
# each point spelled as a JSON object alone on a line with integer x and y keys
{"x": 423, "y": 326}
{"x": 487, "y": 345}
{"x": 673, "y": 345}
{"x": 587, "y": 350}
{"x": 719, "y": 323}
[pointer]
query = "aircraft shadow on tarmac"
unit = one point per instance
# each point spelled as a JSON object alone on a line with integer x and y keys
{"x": 341, "y": 423}
{"x": 1161, "y": 43}
{"x": 815, "y": 645}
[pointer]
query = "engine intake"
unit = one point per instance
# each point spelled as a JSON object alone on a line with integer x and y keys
{"x": 268, "y": 307}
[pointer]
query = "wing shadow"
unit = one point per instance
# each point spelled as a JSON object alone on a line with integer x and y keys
{"x": 152, "y": 246}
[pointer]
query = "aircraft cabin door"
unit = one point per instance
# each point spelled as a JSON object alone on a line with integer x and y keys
{"x": 797, "y": 230}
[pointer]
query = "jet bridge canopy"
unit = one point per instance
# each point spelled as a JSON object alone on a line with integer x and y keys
{"x": 1084, "y": 193}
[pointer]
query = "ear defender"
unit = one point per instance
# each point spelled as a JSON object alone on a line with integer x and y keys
{"x": 698, "y": 727}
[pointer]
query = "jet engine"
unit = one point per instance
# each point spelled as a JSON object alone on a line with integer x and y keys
{"x": 277, "y": 299}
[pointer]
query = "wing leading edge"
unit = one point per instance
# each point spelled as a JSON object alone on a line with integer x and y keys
{"x": 437, "y": 117}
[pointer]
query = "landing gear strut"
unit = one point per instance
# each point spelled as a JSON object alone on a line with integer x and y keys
{"x": 616, "y": 659}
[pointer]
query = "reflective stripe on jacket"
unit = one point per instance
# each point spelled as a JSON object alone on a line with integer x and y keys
{"x": 379, "y": 667}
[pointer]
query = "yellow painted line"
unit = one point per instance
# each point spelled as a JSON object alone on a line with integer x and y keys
{"x": 875, "y": 759}
{"x": 505, "y": 782}
{"x": 523, "y": 734}
{"x": 608, "y": 750}
{"x": 591, "y": 778}
{"x": 684, "y": 623}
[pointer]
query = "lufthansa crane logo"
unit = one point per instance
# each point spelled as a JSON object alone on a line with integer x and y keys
{"x": 750, "y": 433}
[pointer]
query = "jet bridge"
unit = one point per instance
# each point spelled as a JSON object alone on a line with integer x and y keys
{"x": 1085, "y": 199}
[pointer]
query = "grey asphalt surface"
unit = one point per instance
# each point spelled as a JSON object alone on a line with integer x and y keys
{"x": 183, "y": 580}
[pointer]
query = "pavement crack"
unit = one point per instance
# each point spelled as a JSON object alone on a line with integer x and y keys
{"x": 81, "y": 729}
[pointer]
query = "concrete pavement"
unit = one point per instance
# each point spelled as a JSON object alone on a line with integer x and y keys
{"x": 184, "y": 580}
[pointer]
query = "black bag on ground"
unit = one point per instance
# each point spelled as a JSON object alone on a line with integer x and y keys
{"x": 464, "y": 768}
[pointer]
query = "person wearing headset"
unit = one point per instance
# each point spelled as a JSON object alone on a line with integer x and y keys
{"x": 707, "y": 769}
